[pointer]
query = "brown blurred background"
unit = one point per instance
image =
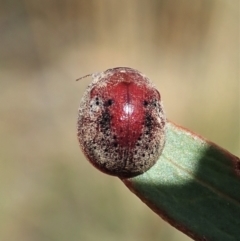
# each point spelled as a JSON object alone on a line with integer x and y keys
{"x": 48, "y": 191}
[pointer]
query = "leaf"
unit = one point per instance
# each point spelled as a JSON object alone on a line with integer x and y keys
{"x": 195, "y": 186}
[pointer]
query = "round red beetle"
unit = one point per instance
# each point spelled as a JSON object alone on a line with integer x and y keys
{"x": 121, "y": 122}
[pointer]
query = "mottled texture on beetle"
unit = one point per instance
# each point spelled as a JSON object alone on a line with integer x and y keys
{"x": 121, "y": 122}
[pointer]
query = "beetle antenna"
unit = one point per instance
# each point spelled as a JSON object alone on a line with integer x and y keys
{"x": 85, "y": 76}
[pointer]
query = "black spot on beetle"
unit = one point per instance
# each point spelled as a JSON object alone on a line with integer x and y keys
{"x": 105, "y": 123}
{"x": 145, "y": 103}
{"x": 149, "y": 121}
{"x": 105, "y": 119}
{"x": 109, "y": 102}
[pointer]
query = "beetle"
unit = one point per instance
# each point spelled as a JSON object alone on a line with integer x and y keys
{"x": 121, "y": 122}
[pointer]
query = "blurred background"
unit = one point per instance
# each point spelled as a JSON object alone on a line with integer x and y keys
{"x": 48, "y": 191}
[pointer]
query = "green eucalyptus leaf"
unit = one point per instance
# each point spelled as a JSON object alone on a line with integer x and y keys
{"x": 195, "y": 186}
